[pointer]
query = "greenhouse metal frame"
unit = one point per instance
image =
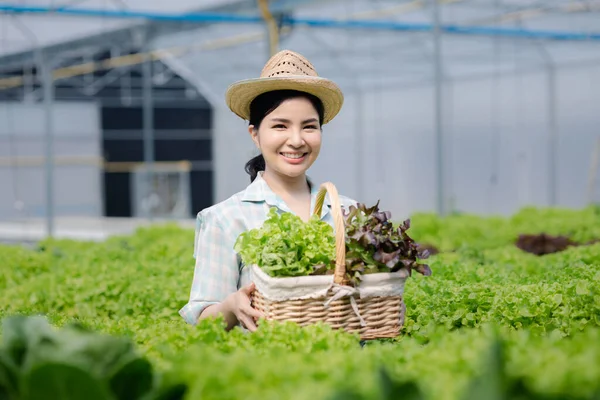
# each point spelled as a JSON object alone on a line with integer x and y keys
{"x": 368, "y": 47}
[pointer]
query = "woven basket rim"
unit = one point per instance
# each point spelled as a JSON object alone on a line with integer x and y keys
{"x": 290, "y": 280}
{"x": 314, "y": 286}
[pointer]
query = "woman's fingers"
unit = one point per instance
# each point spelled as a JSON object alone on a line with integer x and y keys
{"x": 248, "y": 310}
{"x": 248, "y": 289}
{"x": 246, "y": 314}
{"x": 247, "y": 322}
{"x": 249, "y": 316}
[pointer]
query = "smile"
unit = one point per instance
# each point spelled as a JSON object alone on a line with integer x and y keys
{"x": 294, "y": 155}
{"x": 294, "y": 158}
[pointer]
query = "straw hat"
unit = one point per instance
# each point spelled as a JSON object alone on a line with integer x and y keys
{"x": 285, "y": 70}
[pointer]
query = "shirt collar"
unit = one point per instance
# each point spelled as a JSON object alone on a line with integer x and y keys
{"x": 259, "y": 191}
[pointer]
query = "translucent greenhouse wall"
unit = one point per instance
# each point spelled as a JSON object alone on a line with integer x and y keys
{"x": 500, "y": 106}
{"x": 382, "y": 145}
{"x": 77, "y": 177}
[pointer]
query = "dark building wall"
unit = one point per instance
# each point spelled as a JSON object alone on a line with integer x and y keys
{"x": 183, "y": 129}
{"x": 183, "y": 132}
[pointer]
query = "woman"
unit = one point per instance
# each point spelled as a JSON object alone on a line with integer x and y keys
{"x": 286, "y": 108}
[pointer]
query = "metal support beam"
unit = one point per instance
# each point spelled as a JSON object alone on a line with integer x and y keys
{"x": 148, "y": 125}
{"x": 359, "y": 140}
{"x": 552, "y": 123}
{"x": 45, "y": 68}
{"x": 96, "y": 85}
{"x": 438, "y": 103}
{"x": 552, "y": 136}
{"x": 495, "y": 131}
{"x": 270, "y": 26}
{"x": 28, "y": 83}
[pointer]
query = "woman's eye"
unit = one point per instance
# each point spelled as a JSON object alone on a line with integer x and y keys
{"x": 279, "y": 126}
{"x": 310, "y": 127}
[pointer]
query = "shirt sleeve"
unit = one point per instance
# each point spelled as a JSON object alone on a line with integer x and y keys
{"x": 216, "y": 271}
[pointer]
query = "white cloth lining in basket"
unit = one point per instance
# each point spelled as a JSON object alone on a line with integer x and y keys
{"x": 311, "y": 287}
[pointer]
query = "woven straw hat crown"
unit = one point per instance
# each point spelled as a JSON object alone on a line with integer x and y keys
{"x": 287, "y": 63}
{"x": 286, "y": 70}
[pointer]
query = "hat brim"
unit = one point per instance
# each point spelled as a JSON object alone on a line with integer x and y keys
{"x": 240, "y": 94}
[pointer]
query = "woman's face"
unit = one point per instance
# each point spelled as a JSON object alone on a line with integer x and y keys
{"x": 289, "y": 138}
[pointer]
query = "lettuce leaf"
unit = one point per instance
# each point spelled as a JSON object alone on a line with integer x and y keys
{"x": 287, "y": 246}
{"x": 38, "y": 361}
{"x": 374, "y": 245}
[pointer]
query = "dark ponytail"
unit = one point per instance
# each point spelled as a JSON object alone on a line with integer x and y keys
{"x": 262, "y": 106}
{"x": 254, "y": 166}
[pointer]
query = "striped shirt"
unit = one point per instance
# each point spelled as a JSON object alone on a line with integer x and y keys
{"x": 218, "y": 269}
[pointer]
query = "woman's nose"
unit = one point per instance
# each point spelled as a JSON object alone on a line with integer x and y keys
{"x": 296, "y": 139}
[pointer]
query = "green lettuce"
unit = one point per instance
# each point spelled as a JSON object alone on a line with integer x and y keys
{"x": 287, "y": 246}
{"x": 40, "y": 362}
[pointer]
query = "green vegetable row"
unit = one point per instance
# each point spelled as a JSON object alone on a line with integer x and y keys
{"x": 546, "y": 311}
{"x": 470, "y": 231}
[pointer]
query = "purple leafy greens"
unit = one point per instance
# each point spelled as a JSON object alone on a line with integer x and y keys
{"x": 374, "y": 245}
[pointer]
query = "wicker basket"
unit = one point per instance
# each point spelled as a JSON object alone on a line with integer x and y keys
{"x": 370, "y": 315}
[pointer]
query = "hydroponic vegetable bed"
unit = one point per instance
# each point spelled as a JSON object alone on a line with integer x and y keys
{"x": 503, "y": 315}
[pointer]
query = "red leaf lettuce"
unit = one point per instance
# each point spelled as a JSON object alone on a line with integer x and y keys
{"x": 373, "y": 244}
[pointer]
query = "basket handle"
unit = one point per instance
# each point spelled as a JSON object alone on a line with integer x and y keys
{"x": 340, "y": 229}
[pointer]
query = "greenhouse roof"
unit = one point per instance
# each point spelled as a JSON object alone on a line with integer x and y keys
{"x": 359, "y": 43}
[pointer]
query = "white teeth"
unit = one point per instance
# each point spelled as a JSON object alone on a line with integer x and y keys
{"x": 290, "y": 155}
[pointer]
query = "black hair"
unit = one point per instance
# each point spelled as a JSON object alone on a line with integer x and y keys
{"x": 262, "y": 106}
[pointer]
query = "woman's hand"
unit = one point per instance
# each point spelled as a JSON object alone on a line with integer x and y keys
{"x": 238, "y": 303}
